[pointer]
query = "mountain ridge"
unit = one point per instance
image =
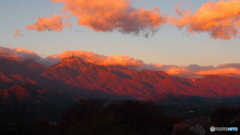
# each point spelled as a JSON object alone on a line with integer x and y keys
{"x": 80, "y": 77}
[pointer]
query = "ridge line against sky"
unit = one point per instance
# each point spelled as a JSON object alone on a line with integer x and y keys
{"x": 205, "y": 35}
{"x": 229, "y": 69}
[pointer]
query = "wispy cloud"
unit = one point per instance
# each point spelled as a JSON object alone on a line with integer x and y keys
{"x": 18, "y": 32}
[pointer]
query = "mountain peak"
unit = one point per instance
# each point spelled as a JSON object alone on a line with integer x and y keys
{"x": 72, "y": 58}
{"x": 16, "y": 90}
{"x": 74, "y": 62}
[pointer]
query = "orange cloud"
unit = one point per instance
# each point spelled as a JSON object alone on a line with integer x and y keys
{"x": 232, "y": 69}
{"x": 109, "y": 15}
{"x": 18, "y": 33}
{"x": 114, "y": 60}
{"x": 177, "y": 71}
{"x": 223, "y": 72}
{"x": 18, "y": 53}
{"x": 220, "y": 19}
{"x": 54, "y": 23}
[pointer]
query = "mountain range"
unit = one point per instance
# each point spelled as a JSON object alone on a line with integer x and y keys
{"x": 75, "y": 78}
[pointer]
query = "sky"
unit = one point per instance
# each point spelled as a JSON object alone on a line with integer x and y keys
{"x": 174, "y": 33}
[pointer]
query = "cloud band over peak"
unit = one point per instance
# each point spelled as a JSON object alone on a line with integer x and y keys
{"x": 230, "y": 69}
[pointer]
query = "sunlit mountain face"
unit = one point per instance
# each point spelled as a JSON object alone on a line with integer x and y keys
{"x": 80, "y": 78}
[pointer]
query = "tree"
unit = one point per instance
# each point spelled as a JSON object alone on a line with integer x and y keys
{"x": 14, "y": 111}
{"x": 93, "y": 116}
{"x": 142, "y": 117}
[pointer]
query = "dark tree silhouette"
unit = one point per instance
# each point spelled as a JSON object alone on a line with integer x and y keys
{"x": 115, "y": 118}
{"x": 143, "y": 117}
{"x": 14, "y": 112}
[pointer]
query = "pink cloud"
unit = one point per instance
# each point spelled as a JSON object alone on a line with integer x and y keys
{"x": 54, "y": 23}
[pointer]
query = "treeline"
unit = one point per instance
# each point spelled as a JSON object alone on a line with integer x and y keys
{"x": 89, "y": 117}
{"x": 20, "y": 116}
